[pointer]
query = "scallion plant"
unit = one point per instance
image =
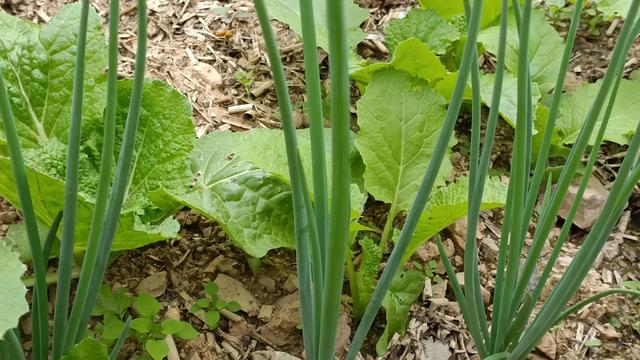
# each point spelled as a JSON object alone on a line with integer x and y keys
{"x": 70, "y": 325}
{"x": 516, "y": 326}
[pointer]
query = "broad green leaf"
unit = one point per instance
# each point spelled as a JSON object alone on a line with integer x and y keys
{"x": 450, "y": 8}
{"x": 251, "y": 146}
{"x": 509, "y": 95}
{"x": 446, "y": 86}
{"x": 112, "y": 328}
{"x": 545, "y": 49}
{"x": 37, "y": 64}
{"x": 12, "y": 290}
{"x": 400, "y": 119}
{"x": 613, "y": 8}
{"x": 158, "y": 349}
{"x": 88, "y": 348}
{"x": 48, "y": 199}
{"x": 171, "y": 326}
{"x": 405, "y": 289}
{"x": 449, "y": 204}
{"x": 187, "y": 332}
{"x": 146, "y": 305}
{"x": 424, "y": 25}
{"x": 624, "y": 117}
{"x": 141, "y": 325}
{"x": 18, "y": 240}
{"x": 164, "y": 142}
{"x": 252, "y": 206}
{"x": 211, "y": 288}
{"x": 288, "y": 12}
{"x": 412, "y": 56}
{"x": 212, "y": 318}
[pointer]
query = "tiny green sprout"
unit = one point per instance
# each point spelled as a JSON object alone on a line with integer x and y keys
{"x": 245, "y": 78}
{"x": 113, "y": 307}
{"x": 212, "y": 304}
{"x": 151, "y": 333}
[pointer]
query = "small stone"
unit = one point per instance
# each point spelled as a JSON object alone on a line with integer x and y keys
{"x": 449, "y": 248}
{"x": 440, "y": 301}
{"x": 592, "y": 202}
{"x": 290, "y": 284}
{"x": 439, "y": 290}
{"x": 489, "y": 249}
{"x": 231, "y": 289}
{"x": 154, "y": 285}
{"x": 458, "y": 231}
{"x": 486, "y": 296}
{"x": 271, "y": 355}
{"x": 265, "y": 312}
{"x": 547, "y": 345}
{"x": 207, "y": 74}
{"x": 608, "y": 331}
{"x": 268, "y": 283}
{"x": 427, "y": 252}
{"x": 435, "y": 350}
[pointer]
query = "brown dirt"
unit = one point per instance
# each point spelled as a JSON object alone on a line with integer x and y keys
{"x": 185, "y": 34}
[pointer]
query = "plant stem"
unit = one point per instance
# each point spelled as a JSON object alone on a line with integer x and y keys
{"x": 387, "y": 231}
{"x": 51, "y": 278}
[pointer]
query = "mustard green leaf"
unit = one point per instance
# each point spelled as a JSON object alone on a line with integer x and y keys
{"x": 508, "y": 96}
{"x": 400, "y": 119}
{"x": 12, "y": 291}
{"x": 449, "y": 204}
{"x": 37, "y": 64}
{"x": 411, "y": 56}
{"x": 48, "y": 199}
{"x": 448, "y": 9}
{"x": 405, "y": 289}
{"x": 613, "y": 8}
{"x": 288, "y": 12}
{"x": 544, "y": 49}
{"x": 624, "y": 116}
{"x": 424, "y": 25}
{"x": 252, "y": 205}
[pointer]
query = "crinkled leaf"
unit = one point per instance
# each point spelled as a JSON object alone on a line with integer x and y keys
{"x": 164, "y": 142}
{"x": 252, "y": 206}
{"x": 545, "y": 49}
{"x": 424, "y": 25}
{"x": 400, "y": 119}
{"x": 88, "y": 348}
{"x": 624, "y": 116}
{"x": 451, "y": 8}
{"x": 37, "y": 65}
{"x": 288, "y": 12}
{"x": 48, "y": 198}
{"x": 367, "y": 273}
{"x": 449, "y": 204}
{"x": 158, "y": 349}
{"x": 12, "y": 290}
{"x": 405, "y": 289}
{"x": 509, "y": 95}
{"x": 412, "y": 56}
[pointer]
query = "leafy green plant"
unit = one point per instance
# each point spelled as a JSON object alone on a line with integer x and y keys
{"x": 151, "y": 332}
{"x": 245, "y": 78}
{"x": 212, "y": 304}
{"x": 23, "y": 49}
{"x": 44, "y": 58}
{"x": 113, "y": 307}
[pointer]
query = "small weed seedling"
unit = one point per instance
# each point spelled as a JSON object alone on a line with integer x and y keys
{"x": 212, "y": 305}
{"x": 113, "y": 306}
{"x": 151, "y": 333}
{"x": 245, "y": 78}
